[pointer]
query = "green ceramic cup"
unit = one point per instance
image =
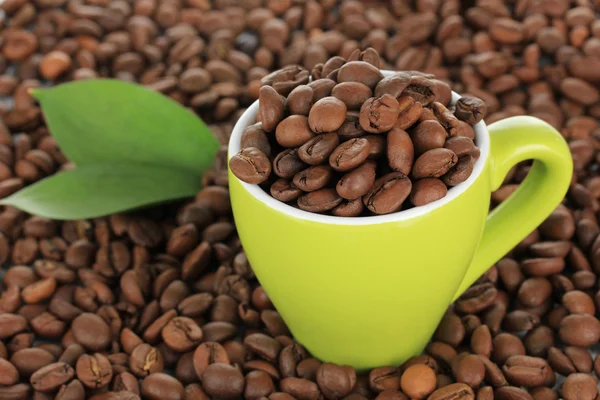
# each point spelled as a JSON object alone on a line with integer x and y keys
{"x": 370, "y": 291}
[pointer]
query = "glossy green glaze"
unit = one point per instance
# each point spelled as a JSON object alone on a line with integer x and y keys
{"x": 369, "y": 294}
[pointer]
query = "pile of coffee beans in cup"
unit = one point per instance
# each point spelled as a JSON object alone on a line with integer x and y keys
{"x": 353, "y": 142}
{"x": 162, "y": 303}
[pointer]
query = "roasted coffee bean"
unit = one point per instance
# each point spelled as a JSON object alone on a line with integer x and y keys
{"x": 360, "y": 71}
{"x": 353, "y": 94}
{"x": 459, "y": 172}
{"x": 223, "y": 381}
{"x": 400, "y": 151}
{"x": 313, "y": 178}
{"x": 434, "y": 163}
{"x": 319, "y": 148}
{"x": 294, "y": 131}
{"x": 255, "y": 136}
{"x": 51, "y": 377}
{"x": 453, "y": 391}
{"x": 300, "y": 100}
{"x": 250, "y": 165}
{"x": 424, "y": 191}
{"x": 379, "y": 114}
{"x": 94, "y": 371}
{"x": 159, "y": 386}
{"x": 526, "y": 371}
{"x": 357, "y": 183}
{"x": 388, "y": 193}
{"x": 181, "y": 334}
{"x": 470, "y": 109}
{"x": 579, "y": 330}
{"x": 418, "y": 381}
{"x": 393, "y": 85}
{"x": 421, "y": 89}
{"x": 470, "y": 370}
{"x": 428, "y": 135}
{"x": 288, "y": 163}
{"x": 271, "y": 108}
{"x": 327, "y": 115}
{"x": 349, "y": 154}
{"x": 145, "y": 360}
{"x": 320, "y": 200}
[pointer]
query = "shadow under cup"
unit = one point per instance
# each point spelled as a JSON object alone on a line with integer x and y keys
{"x": 364, "y": 291}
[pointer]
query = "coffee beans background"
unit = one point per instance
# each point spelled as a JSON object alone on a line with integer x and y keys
{"x": 87, "y": 305}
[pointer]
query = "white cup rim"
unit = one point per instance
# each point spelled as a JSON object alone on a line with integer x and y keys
{"x": 248, "y": 118}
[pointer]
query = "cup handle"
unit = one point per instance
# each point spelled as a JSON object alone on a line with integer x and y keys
{"x": 514, "y": 140}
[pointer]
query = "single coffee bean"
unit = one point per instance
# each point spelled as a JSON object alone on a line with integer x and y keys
{"x": 400, "y": 151}
{"x": 271, "y": 108}
{"x": 73, "y": 391}
{"x": 459, "y": 172}
{"x": 526, "y": 371}
{"x": 470, "y": 109}
{"x": 51, "y": 377}
{"x": 434, "y": 163}
{"x": 320, "y": 200}
{"x": 255, "y": 136}
{"x": 94, "y": 371}
{"x": 284, "y": 190}
{"x": 349, "y": 154}
{"x": 182, "y": 334}
{"x": 580, "y": 386}
{"x": 511, "y": 393}
{"x": 420, "y": 89}
{"x": 288, "y": 163}
{"x": 250, "y": 165}
{"x": 428, "y": 135}
{"x": 579, "y": 330}
{"x": 458, "y": 391}
{"x": 223, "y": 381}
{"x": 353, "y": 94}
{"x": 313, "y": 178}
{"x": 11, "y": 324}
{"x": 410, "y": 112}
{"x": 379, "y": 114}
{"x": 321, "y": 88}
{"x": 159, "y": 386}
{"x": 357, "y": 183}
{"x": 426, "y": 190}
{"x": 506, "y": 345}
{"x": 578, "y": 302}
{"x": 349, "y": 208}
{"x": 145, "y": 360}
{"x": 377, "y": 145}
{"x": 351, "y": 128}
{"x": 462, "y": 146}
{"x": 393, "y": 85}
{"x": 286, "y": 79}
{"x": 335, "y": 381}
{"x": 91, "y": 331}
{"x": 327, "y": 115}
{"x": 418, "y": 381}
{"x": 319, "y": 148}
{"x": 300, "y": 100}
{"x": 293, "y": 131}
{"x": 360, "y": 71}
{"x": 209, "y": 353}
{"x": 388, "y": 193}
{"x": 581, "y": 358}
{"x": 258, "y": 384}
{"x": 470, "y": 370}
{"x": 9, "y": 375}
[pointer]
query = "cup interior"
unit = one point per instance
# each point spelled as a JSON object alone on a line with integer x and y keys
{"x": 482, "y": 140}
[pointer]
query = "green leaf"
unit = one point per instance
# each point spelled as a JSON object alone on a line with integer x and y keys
{"x": 105, "y": 120}
{"x": 100, "y": 189}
